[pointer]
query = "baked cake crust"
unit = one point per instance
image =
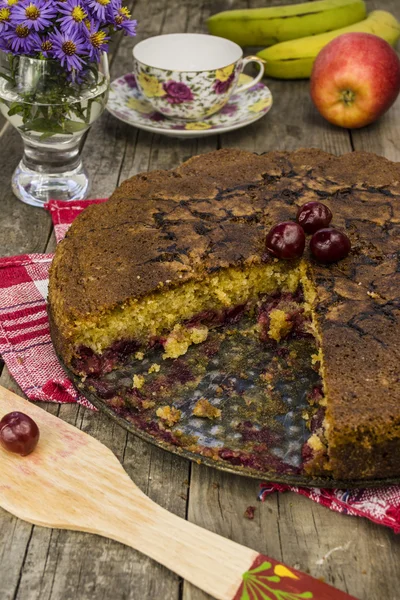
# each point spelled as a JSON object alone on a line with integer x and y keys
{"x": 164, "y": 228}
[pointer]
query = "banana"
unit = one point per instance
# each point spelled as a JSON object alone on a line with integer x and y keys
{"x": 294, "y": 59}
{"x": 267, "y": 26}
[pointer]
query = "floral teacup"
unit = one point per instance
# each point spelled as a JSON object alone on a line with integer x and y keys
{"x": 190, "y": 75}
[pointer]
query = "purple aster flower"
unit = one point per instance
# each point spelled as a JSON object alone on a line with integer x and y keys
{"x": 74, "y": 14}
{"x": 121, "y": 18}
{"x": 68, "y": 48}
{"x": 33, "y": 14}
{"x": 20, "y": 39}
{"x": 4, "y": 45}
{"x": 177, "y": 92}
{"x": 44, "y": 45}
{"x": 99, "y": 8}
{"x": 5, "y": 13}
{"x": 220, "y": 87}
{"x": 129, "y": 27}
{"x": 96, "y": 39}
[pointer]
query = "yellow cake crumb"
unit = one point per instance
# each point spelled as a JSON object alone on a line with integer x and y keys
{"x": 138, "y": 381}
{"x": 315, "y": 443}
{"x": 205, "y": 409}
{"x": 316, "y": 358}
{"x": 181, "y": 338}
{"x": 279, "y": 325}
{"x": 266, "y": 376}
{"x": 169, "y": 414}
{"x": 148, "y": 404}
{"x": 154, "y": 368}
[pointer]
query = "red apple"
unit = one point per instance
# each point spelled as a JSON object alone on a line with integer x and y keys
{"x": 355, "y": 79}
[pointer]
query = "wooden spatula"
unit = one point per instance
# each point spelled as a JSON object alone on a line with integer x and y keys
{"x": 72, "y": 481}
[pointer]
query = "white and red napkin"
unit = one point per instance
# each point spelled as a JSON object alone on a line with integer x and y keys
{"x": 27, "y": 350}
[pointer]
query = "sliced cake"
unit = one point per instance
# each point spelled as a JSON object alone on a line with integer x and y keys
{"x": 175, "y": 254}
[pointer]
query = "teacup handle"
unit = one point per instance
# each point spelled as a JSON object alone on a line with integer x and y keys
{"x": 250, "y": 84}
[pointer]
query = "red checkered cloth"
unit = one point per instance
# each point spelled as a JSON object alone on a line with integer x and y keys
{"x": 25, "y": 343}
{"x": 380, "y": 505}
{"x": 27, "y": 350}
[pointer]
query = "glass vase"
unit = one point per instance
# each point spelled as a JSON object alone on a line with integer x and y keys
{"x": 52, "y": 109}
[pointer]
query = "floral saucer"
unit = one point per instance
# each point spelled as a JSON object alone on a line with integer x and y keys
{"x": 127, "y": 103}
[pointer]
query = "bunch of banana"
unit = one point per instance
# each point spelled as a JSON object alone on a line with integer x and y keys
{"x": 267, "y": 26}
{"x": 294, "y": 59}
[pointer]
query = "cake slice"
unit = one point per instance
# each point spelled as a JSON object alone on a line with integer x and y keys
{"x": 173, "y": 255}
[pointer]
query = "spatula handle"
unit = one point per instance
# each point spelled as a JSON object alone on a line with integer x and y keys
{"x": 222, "y": 568}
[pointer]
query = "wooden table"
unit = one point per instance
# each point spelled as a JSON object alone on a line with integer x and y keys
{"x": 41, "y": 564}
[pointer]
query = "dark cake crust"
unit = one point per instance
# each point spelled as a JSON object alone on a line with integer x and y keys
{"x": 163, "y": 228}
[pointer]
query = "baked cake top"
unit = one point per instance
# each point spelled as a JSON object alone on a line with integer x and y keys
{"x": 214, "y": 211}
{"x": 165, "y": 227}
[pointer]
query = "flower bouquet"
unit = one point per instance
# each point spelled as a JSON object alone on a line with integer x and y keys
{"x": 54, "y": 84}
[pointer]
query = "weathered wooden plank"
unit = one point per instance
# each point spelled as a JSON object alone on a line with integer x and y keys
{"x": 23, "y": 228}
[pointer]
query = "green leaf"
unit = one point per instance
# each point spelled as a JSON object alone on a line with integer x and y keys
{"x": 74, "y": 126}
{"x": 7, "y": 77}
{"x": 43, "y": 126}
{"x": 78, "y": 110}
{"x": 15, "y": 109}
{"x": 47, "y": 135}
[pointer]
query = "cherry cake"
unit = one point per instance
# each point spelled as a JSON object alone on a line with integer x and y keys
{"x": 176, "y": 259}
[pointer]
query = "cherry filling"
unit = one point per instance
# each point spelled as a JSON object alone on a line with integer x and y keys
{"x": 214, "y": 318}
{"x": 90, "y": 363}
{"x": 95, "y": 365}
{"x": 298, "y": 323}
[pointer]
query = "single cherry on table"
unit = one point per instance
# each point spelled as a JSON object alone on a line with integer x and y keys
{"x": 18, "y": 433}
{"x": 286, "y": 240}
{"x": 329, "y": 245}
{"x": 313, "y": 216}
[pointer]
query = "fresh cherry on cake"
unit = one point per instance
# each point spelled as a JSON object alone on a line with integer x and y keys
{"x": 18, "y": 433}
{"x": 329, "y": 245}
{"x": 286, "y": 240}
{"x": 313, "y": 216}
